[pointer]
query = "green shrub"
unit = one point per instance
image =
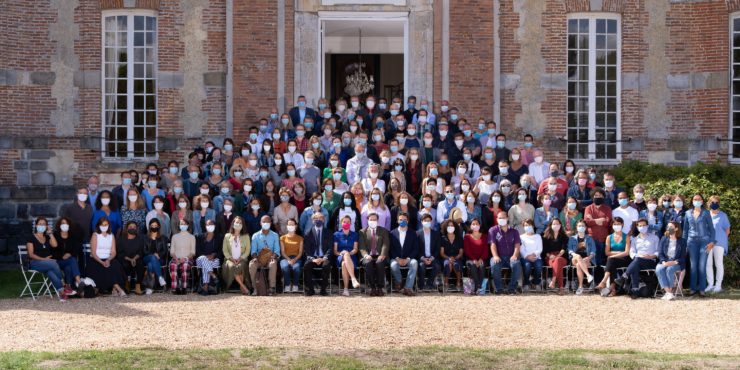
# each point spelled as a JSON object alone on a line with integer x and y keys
{"x": 707, "y": 179}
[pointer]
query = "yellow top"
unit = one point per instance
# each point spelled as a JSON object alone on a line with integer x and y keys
{"x": 291, "y": 244}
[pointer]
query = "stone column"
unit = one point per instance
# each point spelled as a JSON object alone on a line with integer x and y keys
{"x": 306, "y": 70}
{"x": 420, "y": 50}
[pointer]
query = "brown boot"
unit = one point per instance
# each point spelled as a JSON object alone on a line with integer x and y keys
{"x": 137, "y": 290}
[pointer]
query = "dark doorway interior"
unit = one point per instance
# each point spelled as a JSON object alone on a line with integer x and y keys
{"x": 342, "y": 65}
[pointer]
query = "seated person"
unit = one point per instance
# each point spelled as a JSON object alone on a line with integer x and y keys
{"x": 672, "y": 258}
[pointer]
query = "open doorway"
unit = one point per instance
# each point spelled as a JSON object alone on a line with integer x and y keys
{"x": 383, "y": 44}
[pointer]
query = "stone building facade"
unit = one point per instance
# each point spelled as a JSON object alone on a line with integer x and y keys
{"x": 598, "y": 80}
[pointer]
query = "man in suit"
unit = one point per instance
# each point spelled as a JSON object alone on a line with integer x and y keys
{"x": 374, "y": 247}
{"x": 318, "y": 244}
{"x": 428, "y": 253}
{"x": 404, "y": 251}
{"x": 301, "y": 112}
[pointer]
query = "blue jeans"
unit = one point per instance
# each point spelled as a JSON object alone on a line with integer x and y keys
{"x": 536, "y": 274}
{"x": 515, "y": 267}
{"x": 289, "y": 279}
{"x": 71, "y": 269}
{"x": 600, "y": 253}
{"x": 666, "y": 275}
{"x": 413, "y": 266}
{"x": 153, "y": 265}
{"x": 51, "y": 270}
{"x": 698, "y": 259}
{"x": 633, "y": 270}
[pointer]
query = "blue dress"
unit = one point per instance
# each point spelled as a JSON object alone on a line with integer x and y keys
{"x": 345, "y": 243}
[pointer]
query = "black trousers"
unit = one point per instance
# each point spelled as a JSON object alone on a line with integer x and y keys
{"x": 308, "y": 274}
{"x": 375, "y": 272}
{"x": 137, "y": 270}
{"x": 612, "y": 264}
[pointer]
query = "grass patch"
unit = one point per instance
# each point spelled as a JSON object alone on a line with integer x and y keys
{"x": 11, "y": 283}
{"x": 411, "y": 358}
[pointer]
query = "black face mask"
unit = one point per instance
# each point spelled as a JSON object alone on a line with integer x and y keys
{"x": 132, "y": 231}
{"x": 154, "y": 229}
{"x": 598, "y": 201}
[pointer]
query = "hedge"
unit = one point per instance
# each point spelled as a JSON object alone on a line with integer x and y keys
{"x": 706, "y": 179}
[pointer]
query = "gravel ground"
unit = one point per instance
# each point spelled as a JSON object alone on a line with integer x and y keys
{"x": 338, "y": 323}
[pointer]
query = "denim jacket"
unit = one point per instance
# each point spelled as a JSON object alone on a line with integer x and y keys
{"x": 657, "y": 227}
{"x": 680, "y": 256}
{"x": 590, "y": 246}
{"x": 698, "y": 229}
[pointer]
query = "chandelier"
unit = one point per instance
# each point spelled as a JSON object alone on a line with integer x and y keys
{"x": 359, "y": 83}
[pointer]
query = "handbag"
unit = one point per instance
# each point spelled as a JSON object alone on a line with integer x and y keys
{"x": 261, "y": 285}
{"x": 264, "y": 257}
{"x": 468, "y": 286}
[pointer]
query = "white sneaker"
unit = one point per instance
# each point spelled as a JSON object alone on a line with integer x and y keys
{"x": 590, "y": 278}
{"x": 355, "y": 283}
{"x": 666, "y": 297}
{"x": 670, "y": 296}
{"x": 345, "y": 293}
{"x": 162, "y": 282}
{"x": 717, "y": 289}
{"x": 709, "y": 289}
{"x": 579, "y": 291}
{"x": 295, "y": 289}
{"x": 525, "y": 289}
{"x": 148, "y": 291}
{"x": 287, "y": 289}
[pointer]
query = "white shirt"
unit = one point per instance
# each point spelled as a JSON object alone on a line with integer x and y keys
{"x": 628, "y": 214}
{"x": 442, "y": 209}
{"x": 357, "y": 169}
{"x": 236, "y": 248}
{"x": 531, "y": 244}
{"x": 540, "y": 172}
{"x": 427, "y": 242}
{"x": 295, "y": 158}
{"x": 105, "y": 245}
{"x": 368, "y": 186}
{"x": 402, "y": 236}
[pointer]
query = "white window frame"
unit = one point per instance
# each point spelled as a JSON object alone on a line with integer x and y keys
{"x": 592, "y": 17}
{"x": 130, "y": 13}
{"x": 731, "y": 78}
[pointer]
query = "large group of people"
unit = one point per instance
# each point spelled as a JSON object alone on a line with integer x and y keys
{"x": 365, "y": 186}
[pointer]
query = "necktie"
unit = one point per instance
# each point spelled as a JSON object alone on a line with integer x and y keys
{"x": 373, "y": 243}
{"x": 318, "y": 242}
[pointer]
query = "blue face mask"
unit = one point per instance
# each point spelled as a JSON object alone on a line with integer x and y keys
{"x": 253, "y": 136}
{"x": 318, "y": 223}
{"x": 284, "y": 121}
{"x": 467, "y": 133}
{"x": 624, "y": 202}
{"x": 126, "y": 181}
{"x": 347, "y": 201}
{"x": 433, "y": 171}
{"x": 453, "y": 117}
{"x": 491, "y": 131}
{"x": 697, "y": 203}
{"x": 528, "y": 144}
{"x": 488, "y": 155}
{"x": 425, "y": 106}
{"x": 443, "y": 162}
{"x": 403, "y": 223}
{"x": 152, "y": 184}
{"x": 301, "y": 104}
{"x": 273, "y": 116}
{"x": 322, "y": 106}
{"x": 501, "y": 144}
{"x": 308, "y": 125}
{"x": 411, "y": 105}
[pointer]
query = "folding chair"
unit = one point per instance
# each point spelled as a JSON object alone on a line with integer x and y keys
{"x": 573, "y": 278}
{"x": 314, "y": 271}
{"x": 42, "y": 285}
{"x": 505, "y": 279}
{"x": 436, "y": 280}
{"x": 546, "y": 278}
{"x": 351, "y": 289}
{"x": 196, "y": 273}
{"x": 404, "y": 277}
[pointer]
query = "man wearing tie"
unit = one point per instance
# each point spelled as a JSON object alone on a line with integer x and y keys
{"x": 318, "y": 245}
{"x": 404, "y": 251}
{"x": 374, "y": 247}
{"x": 428, "y": 253}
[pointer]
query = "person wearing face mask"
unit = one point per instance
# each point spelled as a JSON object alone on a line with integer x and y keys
{"x": 484, "y": 186}
{"x": 348, "y": 208}
{"x": 41, "y": 258}
{"x": 318, "y": 244}
{"x": 627, "y": 213}
{"x": 307, "y": 214}
{"x": 202, "y": 211}
{"x": 293, "y": 155}
{"x": 104, "y": 268}
{"x": 158, "y": 213}
{"x": 152, "y": 191}
{"x": 671, "y": 259}
{"x": 106, "y": 206}
{"x": 403, "y": 253}
{"x": 509, "y": 196}
{"x": 570, "y": 216}
{"x": 538, "y": 167}
{"x": 298, "y": 197}
{"x": 300, "y": 112}
{"x": 476, "y": 253}
{"x": 92, "y": 187}
{"x": 474, "y": 170}
{"x": 404, "y": 203}
{"x": 521, "y": 211}
{"x": 265, "y": 239}
{"x": 235, "y": 249}
{"x": 582, "y": 252}
{"x": 639, "y": 202}
{"x": 460, "y": 176}
{"x": 66, "y": 253}
{"x": 425, "y": 110}
{"x": 345, "y": 250}
{"x": 291, "y": 177}
{"x": 192, "y": 185}
{"x": 721, "y": 233}
{"x": 653, "y": 215}
{"x": 531, "y": 251}
{"x": 358, "y": 165}
{"x": 334, "y": 163}
{"x": 544, "y": 214}
{"x": 676, "y": 210}
{"x": 377, "y": 206}
{"x": 183, "y": 212}
{"x": 598, "y": 216}
{"x": 224, "y": 193}
{"x": 579, "y": 191}
{"x": 501, "y": 151}
{"x": 426, "y": 206}
{"x": 252, "y": 215}
{"x": 445, "y": 207}
{"x": 226, "y": 217}
{"x": 503, "y": 173}
{"x": 700, "y": 235}
{"x": 569, "y": 171}
{"x": 130, "y": 250}
{"x": 505, "y": 245}
{"x": 134, "y": 211}
{"x": 331, "y": 199}
{"x": 119, "y": 191}
{"x": 611, "y": 191}
{"x": 310, "y": 173}
{"x": 561, "y": 184}
{"x": 525, "y": 183}
{"x": 644, "y": 250}
{"x": 411, "y": 110}
{"x": 284, "y": 212}
{"x": 373, "y": 180}
{"x": 155, "y": 253}
{"x": 454, "y": 151}
{"x": 617, "y": 251}
{"x": 182, "y": 251}
{"x": 555, "y": 250}
{"x": 80, "y": 212}
{"x": 451, "y": 252}
{"x": 516, "y": 169}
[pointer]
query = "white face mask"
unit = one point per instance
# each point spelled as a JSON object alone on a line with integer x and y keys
{"x": 210, "y": 228}
{"x": 374, "y": 175}
{"x": 515, "y": 157}
{"x": 503, "y": 221}
{"x": 404, "y": 201}
{"x": 450, "y": 229}
{"x": 64, "y": 227}
{"x": 82, "y": 197}
{"x": 182, "y": 205}
{"x": 228, "y": 207}
{"x": 203, "y": 191}
{"x": 372, "y": 224}
{"x": 291, "y": 228}
{"x": 105, "y": 201}
{"x": 132, "y": 198}
{"x": 158, "y": 206}
{"x": 104, "y": 229}
{"x": 204, "y": 204}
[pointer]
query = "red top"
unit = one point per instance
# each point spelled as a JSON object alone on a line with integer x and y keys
{"x": 475, "y": 249}
{"x": 593, "y": 212}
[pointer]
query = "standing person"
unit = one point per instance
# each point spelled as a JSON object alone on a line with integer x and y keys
{"x": 617, "y": 256}
{"x": 531, "y": 252}
{"x": 134, "y": 211}
{"x": 555, "y": 250}
{"x": 291, "y": 248}
{"x": 721, "y": 233}
{"x": 39, "y": 249}
{"x": 106, "y": 205}
{"x": 345, "y": 248}
{"x": 404, "y": 251}
{"x": 155, "y": 252}
{"x": 80, "y": 213}
{"x": 130, "y": 252}
{"x": 505, "y": 246}
{"x": 104, "y": 269}
{"x": 476, "y": 253}
{"x": 236, "y": 246}
{"x": 598, "y": 217}
{"x": 65, "y": 253}
{"x": 318, "y": 247}
{"x": 182, "y": 251}
{"x": 699, "y": 232}
{"x": 671, "y": 257}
